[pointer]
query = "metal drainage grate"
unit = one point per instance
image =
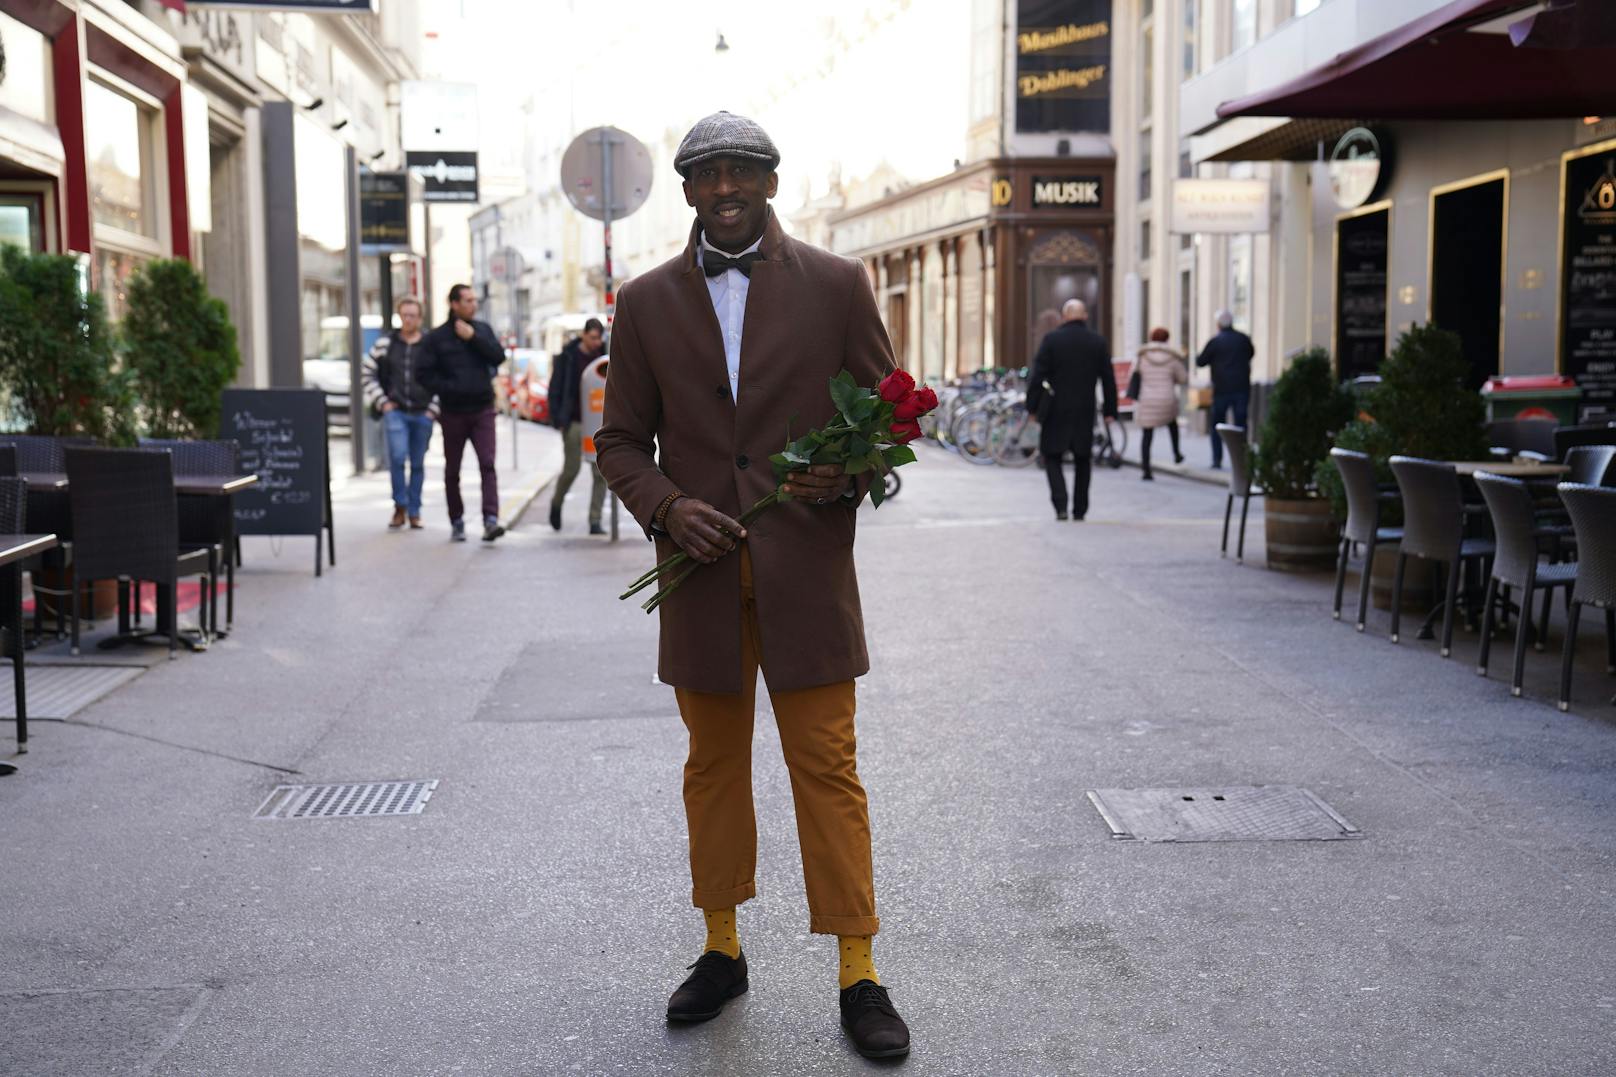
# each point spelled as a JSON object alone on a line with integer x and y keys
{"x": 1236, "y": 813}
{"x": 353, "y": 800}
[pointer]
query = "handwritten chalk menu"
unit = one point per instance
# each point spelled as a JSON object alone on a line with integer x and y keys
{"x": 282, "y": 436}
{"x": 1588, "y": 280}
{"x": 1360, "y": 293}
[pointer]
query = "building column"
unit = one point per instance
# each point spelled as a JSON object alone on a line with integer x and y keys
{"x": 67, "y": 61}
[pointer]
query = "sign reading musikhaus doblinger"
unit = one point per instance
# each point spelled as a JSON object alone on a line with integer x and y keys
{"x": 1063, "y": 65}
{"x": 1588, "y": 277}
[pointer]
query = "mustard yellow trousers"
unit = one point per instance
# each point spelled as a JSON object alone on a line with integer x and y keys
{"x": 833, "y": 819}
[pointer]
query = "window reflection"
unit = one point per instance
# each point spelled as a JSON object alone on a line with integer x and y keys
{"x": 115, "y": 143}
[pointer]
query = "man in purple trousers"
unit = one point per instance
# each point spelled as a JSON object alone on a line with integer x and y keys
{"x": 462, "y": 356}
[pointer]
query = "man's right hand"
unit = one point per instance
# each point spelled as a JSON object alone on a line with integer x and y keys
{"x": 387, "y": 406}
{"x": 701, "y": 530}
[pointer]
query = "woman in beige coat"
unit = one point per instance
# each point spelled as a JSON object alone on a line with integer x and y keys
{"x": 1162, "y": 370}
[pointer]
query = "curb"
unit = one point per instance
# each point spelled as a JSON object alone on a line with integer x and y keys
{"x": 513, "y": 519}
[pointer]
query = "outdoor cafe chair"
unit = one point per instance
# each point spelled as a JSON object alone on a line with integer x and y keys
{"x": 207, "y": 521}
{"x": 1593, "y": 515}
{"x": 1517, "y": 564}
{"x": 13, "y": 521}
{"x": 1433, "y": 528}
{"x": 48, "y": 511}
{"x": 1234, "y": 444}
{"x": 126, "y": 525}
{"x": 1567, "y": 438}
{"x": 1364, "y": 500}
{"x": 1509, "y": 437}
{"x": 8, "y": 463}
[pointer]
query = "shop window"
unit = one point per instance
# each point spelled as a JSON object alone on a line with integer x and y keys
{"x": 1065, "y": 265}
{"x": 1147, "y": 68}
{"x": 1144, "y": 167}
{"x": 1240, "y": 281}
{"x": 22, "y": 221}
{"x": 1144, "y": 241}
{"x": 1191, "y": 59}
{"x": 1186, "y": 310}
{"x": 117, "y": 136}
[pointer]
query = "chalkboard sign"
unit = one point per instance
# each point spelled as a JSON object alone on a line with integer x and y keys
{"x": 1360, "y": 293}
{"x": 1588, "y": 279}
{"x": 282, "y": 434}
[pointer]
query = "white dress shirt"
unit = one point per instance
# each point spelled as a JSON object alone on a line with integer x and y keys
{"x": 728, "y": 290}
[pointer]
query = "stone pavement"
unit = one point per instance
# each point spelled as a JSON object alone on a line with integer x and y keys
{"x": 534, "y": 917}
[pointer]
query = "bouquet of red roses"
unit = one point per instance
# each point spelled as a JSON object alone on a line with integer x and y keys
{"x": 871, "y": 432}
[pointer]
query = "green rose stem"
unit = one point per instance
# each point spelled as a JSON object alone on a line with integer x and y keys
{"x": 681, "y": 557}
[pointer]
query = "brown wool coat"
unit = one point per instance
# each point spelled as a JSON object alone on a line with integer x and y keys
{"x": 671, "y": 426}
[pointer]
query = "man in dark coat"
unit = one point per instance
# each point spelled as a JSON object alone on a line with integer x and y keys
{"x": 462, "y": 356}
{"x": 1071, "y": 361}
{"x": 714, "y": 354}
{"x": 1229, "y": 355}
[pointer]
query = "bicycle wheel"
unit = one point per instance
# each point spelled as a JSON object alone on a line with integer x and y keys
{"x": 1017, "y": 445}
{"x": 973, "y": 433}
{"x": 891, "y": 484}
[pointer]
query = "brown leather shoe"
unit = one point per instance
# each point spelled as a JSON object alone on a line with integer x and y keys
{"x": 398, "y": 519}
{"x": 415, "y": 523}
{"x": 717, "y": 979}
{"x": 872, "y": 1023}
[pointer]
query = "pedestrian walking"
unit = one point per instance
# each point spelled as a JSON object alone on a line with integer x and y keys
{"x": 566, "y": 415}
{"x": 1229, "y": 355}
{"x": 1161, "y": 370}
{"x": 462, "y": 356}
{"x": 691, "y": 419}
{"x": 1072, "y": 360}
{"x": 394, "y": 393}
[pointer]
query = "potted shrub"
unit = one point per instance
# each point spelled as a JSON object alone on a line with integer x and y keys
{"x": 1422, "y": 407}
{"x": 179, "y": 348}
{"x": 57, "y": 369}
{"x": 1306, "y": 408}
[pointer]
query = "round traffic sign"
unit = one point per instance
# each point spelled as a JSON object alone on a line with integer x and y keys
{"x": 585, "y": 164}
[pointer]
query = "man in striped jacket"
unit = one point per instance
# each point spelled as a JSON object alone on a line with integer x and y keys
{"x": 393, "y": 392}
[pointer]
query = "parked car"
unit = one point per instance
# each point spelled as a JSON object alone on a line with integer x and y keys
{"x": 329, "y": 371}
{"x": 531, "y": 395}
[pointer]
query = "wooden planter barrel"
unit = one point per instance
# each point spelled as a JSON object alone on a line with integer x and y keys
{"x": 1418, "y": 593}
{"x": 1301, "y": 535}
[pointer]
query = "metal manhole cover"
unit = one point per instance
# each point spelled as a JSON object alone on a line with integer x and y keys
{"x": 346, "y": 801}
{"x": 1235, "y": 813}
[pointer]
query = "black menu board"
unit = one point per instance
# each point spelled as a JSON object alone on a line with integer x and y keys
{"x": 282, "y": 437}
{"x": 1360, "y": 292}
{"x": 1588, "y": 280}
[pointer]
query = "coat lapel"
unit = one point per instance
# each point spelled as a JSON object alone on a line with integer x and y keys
{"x": 709, "y": 344}
{"x": 767, "y": 299}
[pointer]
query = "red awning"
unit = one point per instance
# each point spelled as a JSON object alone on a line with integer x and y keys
{"x": 1439, "y": 68}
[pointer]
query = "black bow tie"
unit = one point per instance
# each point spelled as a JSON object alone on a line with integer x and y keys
{"x": 713, "y": 263}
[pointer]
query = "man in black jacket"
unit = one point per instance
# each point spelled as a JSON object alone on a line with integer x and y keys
{"x": 1229, "y": 355}
{"x": 462, "y": 356}
{"x": 566, "y": 415}
{"x": 393, "y": 390}
{"x": 1071, "y": 360}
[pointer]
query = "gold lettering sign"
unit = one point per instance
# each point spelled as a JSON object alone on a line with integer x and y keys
{"x": 1003, "y": 192}
{"x": 1062, "y": 80}
{"x": 1071, "y": 34}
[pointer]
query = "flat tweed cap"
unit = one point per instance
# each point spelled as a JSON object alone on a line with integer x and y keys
{"x": 724, "y": 134}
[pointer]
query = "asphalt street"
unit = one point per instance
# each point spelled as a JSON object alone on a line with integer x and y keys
{"x": 534, "y": 917}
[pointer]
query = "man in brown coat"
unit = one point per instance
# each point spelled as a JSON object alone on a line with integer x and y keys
{"x": 713, "y": 356}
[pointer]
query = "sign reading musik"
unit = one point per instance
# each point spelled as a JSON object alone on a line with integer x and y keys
{"x": 1063, "y": 65}
{"x": 1588, "y": 279}
{"x": 1065, "y": 191}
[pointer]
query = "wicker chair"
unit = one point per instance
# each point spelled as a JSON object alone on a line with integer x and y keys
{"x": 1234, "y": 441}
{"x": 1567, "y": 438}
{"x": 1593, "y": 514}
{"x": 8, "y": 461}
{"x": 127, "y": 520}
{"x": 48, "y": 511}
{"x": 13, "y": 521}
{"x": 1517, "y": 564}
{"x": 1509, "y": 437}
{"x": 1363, "y": 524}
{"x": 1433, "y": 528}
{"x": 208, "y": 521}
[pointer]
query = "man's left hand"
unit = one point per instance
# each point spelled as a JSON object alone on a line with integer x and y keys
{"x": 821, "y": 484}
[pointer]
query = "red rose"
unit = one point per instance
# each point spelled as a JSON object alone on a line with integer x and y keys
{"x": 918, "y": 403}
{"x": 905, "y": 432}
{"x": 895, "y": 386}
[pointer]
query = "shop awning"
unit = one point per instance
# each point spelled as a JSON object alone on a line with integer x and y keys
{"x": 1459, "y": 63}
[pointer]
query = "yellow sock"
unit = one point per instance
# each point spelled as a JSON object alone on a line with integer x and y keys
{"x": 721, "y": 933}
{"x": 856, "y": 961}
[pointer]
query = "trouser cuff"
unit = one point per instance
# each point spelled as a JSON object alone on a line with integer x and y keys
{"x": 843, "y": 925}
{"x": 723, "y": 899}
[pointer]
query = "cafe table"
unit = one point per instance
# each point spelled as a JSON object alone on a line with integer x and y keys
{"x": 1526, "y": 470}
{"x": 14, "y": 550}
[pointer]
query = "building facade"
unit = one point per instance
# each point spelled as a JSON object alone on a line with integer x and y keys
{"x": 133, "y": 130}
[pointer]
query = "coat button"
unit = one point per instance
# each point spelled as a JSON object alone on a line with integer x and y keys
{"x": 723, "y": 392}
{"x": 742, "y": 462}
